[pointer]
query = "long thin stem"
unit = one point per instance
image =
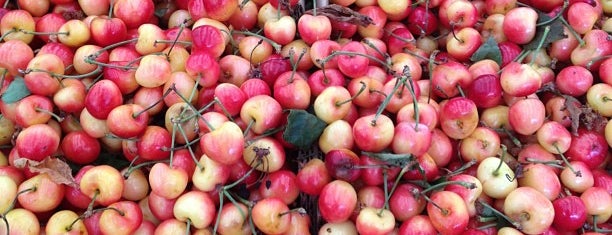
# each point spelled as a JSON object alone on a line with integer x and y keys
{"x": 363, "y": 87}
{"x": 540, "y": 44}
{"x": 467, "y": 185}
{"x": 567, "y": 163}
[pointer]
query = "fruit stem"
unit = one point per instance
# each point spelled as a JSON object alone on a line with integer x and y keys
{"x": 399, "y": 37}
{"x": 132, "y": 168}
{"x": 460, "y": 90}
{"x": 386, "y": 191}
{"x": 577, "y": 173}
{"x": 243, "y": 178}
{"x": 191, "y": 152}
{"x": 559, "y": 14}
{"x": 41, "y": 33}
{"x": 278, "y": 10}
{"x": 455, "y": 35}
{"x": 8, "y": 230}
{"x": 540, "y": 44}
{"x": 299, "y": 210}
{"x": 12, "y": 205}
{"x": 5, "y": 6}
{"x": 431, "y": 58}
{"x": 127, "y": 67}
{"x": 443, "y": 210}
{"x": 552, "y": 163}
{"x": 502, "y": 215}
{"x": 267, "y": 133}
{"x": 7, "y": 32}
{"x": 597, "y": 229}
{"x": 415, "y": 102}
{"x": 350, "y": 53}
{"x": 467, "y": 185}
{"x": 519, "y": 58}
{"x": 135, "y": 115}
{"x": 371, "y": 45}
{"x": 233, "y": 201}
{"x": 363, "y": 87}
{"x": 55, "y": 116}
{"x": 188, "y": 229}
{"x": 110, "y": 9}
{"x": 399, "y": 82}
{"x": 248, "y": 128}
{"x": 277, "y": 47}
{"x": 513, "y": 138}
{"x": 80, "y": 76}
{"x": 175, "y": 124}
{"x": 595, "y": 60}
{"x": 501, "y": 160}
{"x": 173, "y": 42}
{"x": 462, "y": 168}
{"x": 216, "y": 226}
{"x": 572, "y": 31}
{"x": 395, "y": 184}
{"x": 111, "y": 46}
{"x": 314, "y": 7}
{"x": 486, "y": 226}
{"x": 294, "y": 63}
{"x": 181, "y": 28}
{"x": 483, "y": 219}
{"x": 218, "y": 101}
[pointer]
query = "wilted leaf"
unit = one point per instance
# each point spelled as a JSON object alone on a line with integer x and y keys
{"x": 343, "y": 14}
{"x": 488, "y": 50}
{"x": 555, "y": 33}
{"x": 58, "y": 170}
{"x": 16, "y": 91}
{"x": 574, "y": 108}
{"x": 303, "y": 128}
{"x": 399, "y": 160}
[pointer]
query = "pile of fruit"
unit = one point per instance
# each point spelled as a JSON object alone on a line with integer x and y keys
{"x": 476, "y": 117}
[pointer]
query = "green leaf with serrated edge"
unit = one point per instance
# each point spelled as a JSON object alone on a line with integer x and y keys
{"x": 303, "y": 128}
{"x": 556, "y": 32}
{"x": 488, "y": 50}
{"x": 16, "y": 91}
{"x": 399, "y": 160}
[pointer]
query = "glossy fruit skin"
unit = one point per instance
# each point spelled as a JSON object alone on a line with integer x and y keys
{"x": 589, "y": 147}
{"x": 570, "y": 213}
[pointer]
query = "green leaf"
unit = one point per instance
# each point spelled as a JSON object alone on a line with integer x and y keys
{"x": 399, "y": 160}
{"x": 303, "y": 128}
{"x": 556, "y": 32}
{"x": 488, "y": 50}
{"x": 16, "y": 91}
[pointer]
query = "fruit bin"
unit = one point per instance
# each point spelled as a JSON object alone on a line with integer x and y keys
{"x": 368, "y": 117}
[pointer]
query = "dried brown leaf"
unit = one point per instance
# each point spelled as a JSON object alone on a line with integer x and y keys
{"x": 58, "y": 170}
{"x": 574, "y": 107}
{"x": 336, "y": 12}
